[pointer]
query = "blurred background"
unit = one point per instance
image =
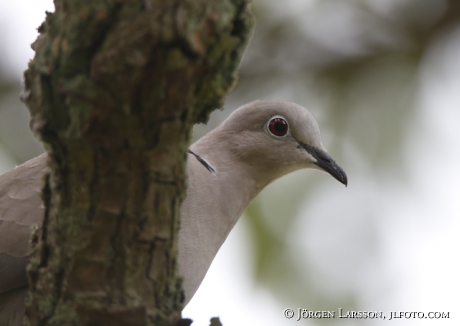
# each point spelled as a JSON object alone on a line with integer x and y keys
{"x": 382, "y": 77}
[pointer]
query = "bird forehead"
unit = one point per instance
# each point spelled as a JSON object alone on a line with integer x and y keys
{"x": 303, "y": 125}
{"x": 305, "y": 129}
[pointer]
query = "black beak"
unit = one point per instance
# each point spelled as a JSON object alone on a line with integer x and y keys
{"x": 326, "y": 163}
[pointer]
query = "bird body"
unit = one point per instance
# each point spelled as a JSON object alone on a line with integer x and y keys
{"x": 226, "y": 169}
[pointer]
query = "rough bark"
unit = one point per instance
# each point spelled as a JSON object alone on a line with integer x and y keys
{"x": 114, "y": 90}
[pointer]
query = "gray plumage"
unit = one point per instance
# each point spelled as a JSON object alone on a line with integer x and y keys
{"x": 20, "y": 208}
{"x": 226, "y": 169}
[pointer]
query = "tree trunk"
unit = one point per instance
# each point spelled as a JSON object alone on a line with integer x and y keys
{"x": 114, "y": 90}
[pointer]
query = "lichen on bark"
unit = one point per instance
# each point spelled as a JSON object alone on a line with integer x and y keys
{"x": 114, "y": 90}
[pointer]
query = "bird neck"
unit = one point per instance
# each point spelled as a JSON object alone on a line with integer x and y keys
{"x": 220, "y": 187}
{"x": 228, "y": 185}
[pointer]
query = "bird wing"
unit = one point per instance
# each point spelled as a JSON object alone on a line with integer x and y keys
{"x": 20, "y": 208}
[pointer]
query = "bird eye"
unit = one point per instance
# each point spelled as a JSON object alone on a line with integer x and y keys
{"x": 278, "y": 127}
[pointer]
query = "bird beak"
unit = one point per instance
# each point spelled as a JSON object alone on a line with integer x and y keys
{"x": 326, "y": 163}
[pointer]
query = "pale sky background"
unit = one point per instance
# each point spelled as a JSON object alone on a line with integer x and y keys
{"x": 419, "y": 234}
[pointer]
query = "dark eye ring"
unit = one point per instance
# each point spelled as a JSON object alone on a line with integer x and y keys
{"x": 278, "y": 127}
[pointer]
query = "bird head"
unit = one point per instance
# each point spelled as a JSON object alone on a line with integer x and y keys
{"x": 278, "y": 137}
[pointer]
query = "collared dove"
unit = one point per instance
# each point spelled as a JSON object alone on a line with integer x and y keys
{"x": 226, "y": 169}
